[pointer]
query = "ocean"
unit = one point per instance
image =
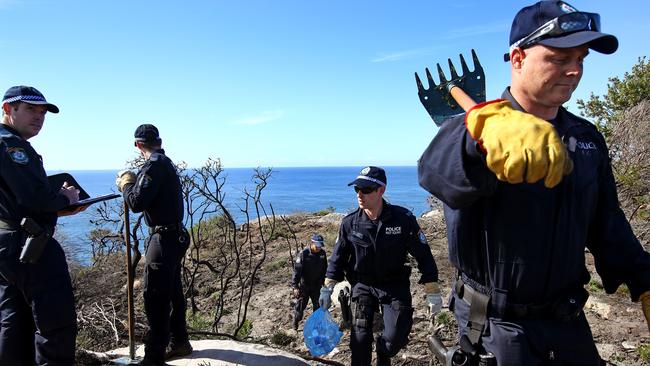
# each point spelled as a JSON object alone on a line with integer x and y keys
{"x": 289, "y": 190}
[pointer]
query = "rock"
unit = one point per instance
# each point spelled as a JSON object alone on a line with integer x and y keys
{"x": 599, "y": 308}
{"x": 224, "y": 352}
{"x": 629, "y": 345}
{"x": 433, "y": 214}
{"x": 606, "y": 350}
{"x": 331, "y": 218}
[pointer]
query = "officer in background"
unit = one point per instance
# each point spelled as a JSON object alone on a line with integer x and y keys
{"x": 371, "y": 251}
{"x": 37, "y": 310}
{"x": 308, "y": 276}
{"x": 521, "y": 207}
{"x": 156, "y": 190}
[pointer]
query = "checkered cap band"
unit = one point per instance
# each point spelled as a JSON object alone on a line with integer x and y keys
{"x": 34, "y": 98}
{"x": 372, "y": 180}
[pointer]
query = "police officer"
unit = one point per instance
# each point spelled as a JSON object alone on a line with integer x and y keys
{"x": 308, "y": 276}
{"x": 156, "y": 190}
{"x": 371, "y": 251}
{"x": 521, "y": 207}
{"x": 37, "y": 310}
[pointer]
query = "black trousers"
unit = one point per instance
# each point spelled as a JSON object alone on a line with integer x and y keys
{"x": 534, "y": 342}
{"x": 164, "y": 302}
{"x": 395, "y": 303}
{"x": 38, "y": 322}
{"x": 303, "y": 300}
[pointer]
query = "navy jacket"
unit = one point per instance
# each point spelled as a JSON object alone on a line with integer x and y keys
{"x": 309, "y": 270}
{"x": 157, "y": 191}
{"x": 374, "y": 253}
{"x": 526, "y": 240}
{"x": 24, "y": 188}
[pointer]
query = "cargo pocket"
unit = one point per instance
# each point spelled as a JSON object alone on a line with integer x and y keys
{"x": 10, "y": 243}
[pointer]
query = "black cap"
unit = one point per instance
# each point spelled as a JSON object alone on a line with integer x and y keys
{"x": 370, "y": 176}
{"x": 318, "y": 240}
{"x": 147, "y": 133}
{"x": 532, "y": 17}
{"x": 28, "y": 94}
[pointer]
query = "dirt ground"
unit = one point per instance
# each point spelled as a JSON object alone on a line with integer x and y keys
{"x": 617, "y": 324}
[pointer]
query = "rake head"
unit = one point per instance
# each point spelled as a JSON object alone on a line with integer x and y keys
{"x": 436, "y": 99}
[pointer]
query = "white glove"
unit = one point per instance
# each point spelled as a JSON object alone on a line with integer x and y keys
{"x": 433, "y": 297}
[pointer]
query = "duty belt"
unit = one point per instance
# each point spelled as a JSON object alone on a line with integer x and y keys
{"x": 565, "y": 307}
{"x": 165, "y": 228}
{"x": 478, "y": 301}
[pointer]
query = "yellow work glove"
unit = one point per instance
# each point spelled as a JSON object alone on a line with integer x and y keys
{"x": 645, "y": 306}
{"x": 124, "y": 177}
{"x": 518, "y": 146}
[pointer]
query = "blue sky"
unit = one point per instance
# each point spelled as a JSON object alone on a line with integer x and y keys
{"x": 263, "y": 83}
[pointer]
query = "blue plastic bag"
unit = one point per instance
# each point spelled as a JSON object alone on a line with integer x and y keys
{"x": 321, "y": 333}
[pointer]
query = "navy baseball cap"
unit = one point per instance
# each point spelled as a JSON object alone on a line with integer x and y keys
{"x": 147, "y": 133}
{"x": 28, "y": 94}
{"x": 557, "y": 24}
{"x": 318, "y": 240}
{"x": 370, "y": 176}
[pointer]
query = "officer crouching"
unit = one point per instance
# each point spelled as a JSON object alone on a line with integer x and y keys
{"x": 371, "y": 250}
{"x": 156, "y": 190}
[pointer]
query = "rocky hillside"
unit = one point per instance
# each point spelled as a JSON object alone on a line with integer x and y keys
{"x": 617, "y": 323}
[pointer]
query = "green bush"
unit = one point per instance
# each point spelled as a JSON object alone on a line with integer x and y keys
{"x": 595, "y": 287}
{"x": 281, "y": 338}
{"x": 644, "y": 352}
{"x": 245, "y": 330}
{"x": 325, "y": 211}
{"x": 199, "y": 321}
{"x": 444, "y": 318}
{"x": 623, "y": 290}
{"x": 279, "y": 264}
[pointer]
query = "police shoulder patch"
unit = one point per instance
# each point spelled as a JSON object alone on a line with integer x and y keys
{"x": 145, "y": 181}
{"x": 18, "y": 155}
{"x": 422, "y": 237}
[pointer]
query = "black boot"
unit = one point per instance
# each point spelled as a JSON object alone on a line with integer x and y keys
{"x": 382, "y": 360}
{"x": 150, "y": 362}
{"x": 175, "y": 351}
{"x": 297, "y": 317}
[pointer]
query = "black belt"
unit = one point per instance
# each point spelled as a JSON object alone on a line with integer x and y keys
{"x": 529, "y": 311}
{"x": 166, "y": 228}
{"x": 565, "y": 307}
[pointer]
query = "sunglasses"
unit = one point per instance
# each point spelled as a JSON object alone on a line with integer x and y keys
{"x": 364, "y": 190}
{"x": 564, "y": 24}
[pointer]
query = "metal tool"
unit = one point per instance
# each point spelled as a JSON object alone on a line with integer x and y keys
{"x": 456, "y": 95}
{"x": 131, "y": 360}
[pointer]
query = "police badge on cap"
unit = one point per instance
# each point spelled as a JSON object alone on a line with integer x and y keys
{"x": 370, "y": 176}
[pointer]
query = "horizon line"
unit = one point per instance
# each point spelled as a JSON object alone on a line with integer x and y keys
{"x": 246, "y": 167}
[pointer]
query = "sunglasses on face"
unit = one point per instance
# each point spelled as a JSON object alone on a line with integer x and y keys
{"x": 364, "y": 190}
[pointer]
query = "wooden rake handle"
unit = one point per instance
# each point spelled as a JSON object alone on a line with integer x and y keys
{"x": 465, "y": 101}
